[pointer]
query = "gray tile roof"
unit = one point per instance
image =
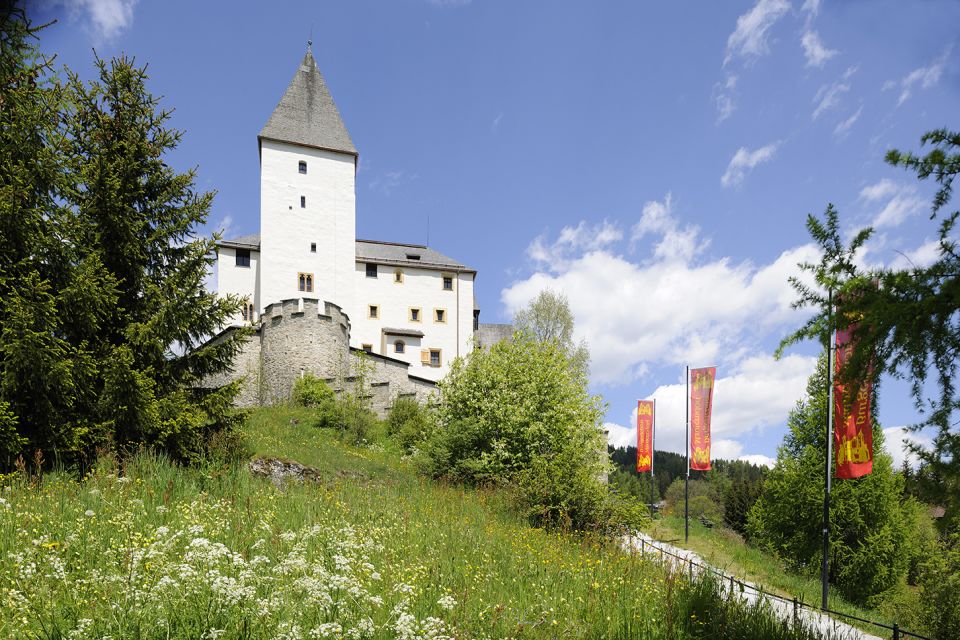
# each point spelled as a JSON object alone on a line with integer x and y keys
{"x": 307, "y": 114}
{"x": 403, "y": 255}
{"x": 377, "y": 251}
{"x": 413, "y": 333}
{"x": 249, "y": 241}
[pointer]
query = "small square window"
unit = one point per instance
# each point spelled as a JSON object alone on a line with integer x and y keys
{"x": 373, "y": 311}
{"x": 367, "y": 347}
{"x": 302, "y": 167}
{"x": 399, "y": 346}
{"x": 434, "y": 357}
{"x": 305, "y": 282}
{"x": 313, "y": 247}
{"x": 303, "y": 202}
{"x": 414, "y": 315}
{"x": 448, "y": 283}
{"x": 371, "y": 270}
{"x": 440, "y": 315}
{"x": 413, "y": 256}
{"x": 243, "y": 257}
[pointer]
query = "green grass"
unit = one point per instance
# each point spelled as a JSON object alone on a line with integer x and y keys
{"x": 151, "y": 550}
{"x": 726, "y": 550}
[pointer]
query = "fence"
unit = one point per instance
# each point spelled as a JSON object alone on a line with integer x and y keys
{"x": 797, "y": 605}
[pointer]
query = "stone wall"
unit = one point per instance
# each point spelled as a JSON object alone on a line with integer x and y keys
{"x": 297, "y": 337}
{"x": 488, "y": 334}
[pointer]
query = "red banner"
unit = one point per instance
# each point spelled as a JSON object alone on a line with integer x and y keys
{"x": 701, "y": 403}
{"x": 852, "y": 425}
{"x": 644, "y": 435}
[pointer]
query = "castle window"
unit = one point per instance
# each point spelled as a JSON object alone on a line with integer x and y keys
{"x": 303, "y": 167}
{"x": 303, "y": 202}
{"x": 448, "y": 283}
{"x": 371, "y": 270}
{"x": 440, "y": 315}
{"x": 243, "y": 257}
{"x": 373, "y": 311}
{"x": 399, "y": 346}
{"x": 398, "y": 276}
{"x": 247, "y": 312}
{"x": 414, "y": 314}
{"x": 313, "y": 247}
{"x": 368, "y": 348}
{"x": 305, "y": 282}
{"x": 431, "y": 357}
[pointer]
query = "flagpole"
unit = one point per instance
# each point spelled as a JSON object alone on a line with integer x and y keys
{"x": 686, "y": 484}
{"x": 825, "y": 565}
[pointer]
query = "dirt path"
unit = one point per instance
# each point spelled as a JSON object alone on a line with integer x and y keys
{"x": 750, "y": 593}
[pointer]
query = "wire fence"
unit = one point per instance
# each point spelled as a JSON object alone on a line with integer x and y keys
{"x": 798, "y": 605}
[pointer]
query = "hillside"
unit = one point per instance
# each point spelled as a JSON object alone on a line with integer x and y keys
{"x": 369, "y": 549}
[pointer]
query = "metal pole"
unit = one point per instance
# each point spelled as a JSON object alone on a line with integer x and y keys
{"x": 825, "y": 565}
{"x": 686, "y": 484}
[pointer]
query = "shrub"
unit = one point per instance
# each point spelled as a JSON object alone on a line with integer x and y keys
{"x": 409, "y": 424}
{"x": 520, "y": 414}
{"x": 311, "y": 391}
{"x": 704, "y": 500}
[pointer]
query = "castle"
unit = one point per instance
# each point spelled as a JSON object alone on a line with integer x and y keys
{"x": 314, "y": 292}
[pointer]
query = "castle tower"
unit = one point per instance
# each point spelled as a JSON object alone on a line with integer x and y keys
{"x": 307, "y": 196}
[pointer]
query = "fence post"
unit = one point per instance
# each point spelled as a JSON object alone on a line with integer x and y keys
{"x": 896, "y": 631}
{"x": 794, "y": 611}
{"x": 643, "y": 546}
{"x": 691, "y": 569}
{"x": 731, "y": 586}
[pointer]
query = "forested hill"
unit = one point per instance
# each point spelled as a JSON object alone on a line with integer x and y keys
{"x": 668, "y": 466}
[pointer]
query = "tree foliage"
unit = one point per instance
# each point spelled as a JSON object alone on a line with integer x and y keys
{"x": 908, "y": 319}
{"x": 870, "y": 546}
{"x": 104, "y": 316}
{"x": 548, "y": 319}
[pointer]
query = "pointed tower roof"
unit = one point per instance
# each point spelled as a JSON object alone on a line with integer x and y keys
{"x": 307, "y": 115}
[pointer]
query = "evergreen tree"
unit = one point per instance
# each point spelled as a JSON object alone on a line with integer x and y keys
{"x": 104, "y": 318}
{"x": 869, "y": 550}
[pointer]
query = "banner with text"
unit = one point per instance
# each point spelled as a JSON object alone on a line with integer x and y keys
{"x": 701, "y": 403}
{"x": 644, "y": 435}
{"x": 852, "y": 425}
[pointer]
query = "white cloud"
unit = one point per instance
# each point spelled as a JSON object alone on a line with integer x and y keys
{"x": 922, "y": 256}
{"x": 811, "y": 7}
{"x": 665, "y": 310}
{"x": 750, "y": 38}
{"x": 759, "y": 460}
{"x": 814, "y": 50}
{"x": 829, "y": 94}
{"x": 496, "y": 122}
{"x": 723, "y": 95}
{"x": 555, "y": 255}
{"x": 925, "y": 77}
{"x": 106, "y": 19}
{"x": 445, "y": 4}
{"x": 843, "y": 127}
{"x": 744, "y": 161}
{"x": 758, "y": 393}
{"x": 225, "y": 226}
{"x": 896, "y": 440}
{"x": 387, "y": 181}
{"x": 902, "y": 201}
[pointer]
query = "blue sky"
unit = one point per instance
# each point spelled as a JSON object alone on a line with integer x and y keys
{"x": 655, "y": 162}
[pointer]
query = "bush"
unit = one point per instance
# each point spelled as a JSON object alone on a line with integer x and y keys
{"x": 519, "y": 414}
{"x": 409, "y": 424}
{"x": 228, "y": 446}
{"x": 940, "y": 585}
{"x": 311, "y": 391}
{"x": 704, "y": 500}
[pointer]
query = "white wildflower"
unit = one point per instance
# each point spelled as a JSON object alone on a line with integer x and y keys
{"x": 89, "y": 513}
{"x": 447, "y": 602}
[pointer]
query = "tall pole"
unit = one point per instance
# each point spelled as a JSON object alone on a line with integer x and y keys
{"x": 686, "y": 484}
{"x": 825, "y": 565}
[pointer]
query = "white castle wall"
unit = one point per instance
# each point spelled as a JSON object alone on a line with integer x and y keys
{"x": 287, "y": 230}
{"x": 422, "y": 288}
{"x": 241, "y": 281}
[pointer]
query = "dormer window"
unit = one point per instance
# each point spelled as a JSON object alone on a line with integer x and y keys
{"x": 302, "y": 167}
{"x": 413, "y": 256}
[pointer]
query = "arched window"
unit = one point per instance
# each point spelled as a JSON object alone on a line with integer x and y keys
{"x": 399, "y": 346}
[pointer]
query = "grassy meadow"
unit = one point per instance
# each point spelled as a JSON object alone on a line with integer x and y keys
{"x": 147, "y": 549}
